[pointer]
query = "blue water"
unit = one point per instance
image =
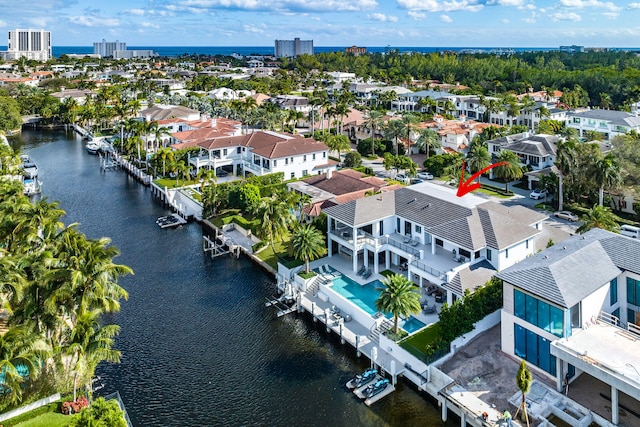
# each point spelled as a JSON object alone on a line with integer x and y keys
{"x": 363, "y": 296}
{"x": 199, "y": 347}
{"x": 412, "y": 325}
{"x": 173, "y": 51}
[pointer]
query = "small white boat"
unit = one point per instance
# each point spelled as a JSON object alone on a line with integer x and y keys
{"x": 173, "y": 220}
{"x": 31, "y": 186}
{"x": 92, "y": 147}
{"x": 29, "y": 168}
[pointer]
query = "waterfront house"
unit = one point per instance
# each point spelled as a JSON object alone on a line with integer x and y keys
{"x": 333, "y": 188}
{"x": 439, "y": 239}
{"x": 610, "y": 123}
{"x": 574, "y": 309}
{"x": 165, "y": 111}
{"x": 261, "y": 153}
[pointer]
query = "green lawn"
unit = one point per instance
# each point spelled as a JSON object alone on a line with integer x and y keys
{"x": 417, "y": 343}
{"x": 171, "y": 182}
{"x": 50, "y": 419}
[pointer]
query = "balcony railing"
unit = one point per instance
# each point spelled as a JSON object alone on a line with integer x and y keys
{"x": 427, "y": 269}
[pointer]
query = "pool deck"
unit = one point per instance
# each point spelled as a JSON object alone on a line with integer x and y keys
{"x": 345, "y": 267}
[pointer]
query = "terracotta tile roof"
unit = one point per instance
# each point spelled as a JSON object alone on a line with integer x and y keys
{"x": 275, "y": 146}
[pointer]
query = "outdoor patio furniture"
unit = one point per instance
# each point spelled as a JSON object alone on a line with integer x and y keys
{"x": 367, "y": 273}
{"x": 428, "y": 309}
{"x": 414, "y": 243}
{"x": 406, "y": 240}
{"x": 361, "y": 271}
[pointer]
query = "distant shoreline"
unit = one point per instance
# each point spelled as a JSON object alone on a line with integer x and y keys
{"x": 174, "y": 51}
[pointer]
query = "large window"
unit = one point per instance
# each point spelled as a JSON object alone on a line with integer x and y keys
{"x": 534, "y": 349}
{"x": 613, "y": 291}
{"x": 539, "y": 313}
{"x": 633, "y": 291}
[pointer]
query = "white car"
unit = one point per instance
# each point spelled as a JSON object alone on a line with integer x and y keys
{"x": 402, "y": 178}
{"x": 539, "y": 193}
{"x": 425, "y": 175}
{"x": 569, "y": 216}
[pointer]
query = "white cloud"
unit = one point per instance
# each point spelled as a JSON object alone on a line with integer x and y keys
{"x": 505, "y": 21}
{"x": 2, "y": 23}
{"x": 611, "y": 15}
{"x": 441, "y": 6}
{"x": 382, "y": 17}
{"x": 136, "y": 12}
{"x": 94, "y": 21}
{"x": 528, "y": 6}
{"x": 149, "y": 25}
{"x": 568, "y": 16}
{"x": 580, "y": 4}
{"x": 416, "y": 15}
{"x": 531, "y": 19}
{"x": 284, "y": 5}
{"x": 506, "y": 2}
{"x": 633, "y": 6}
{"x": 446, "y": 19}
{"x": 252, "y": 29}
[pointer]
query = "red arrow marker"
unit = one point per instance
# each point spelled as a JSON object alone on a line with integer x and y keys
{"x": 468, "y": 185}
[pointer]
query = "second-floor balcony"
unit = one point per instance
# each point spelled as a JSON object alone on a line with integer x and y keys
{"x": 437, "y": 264}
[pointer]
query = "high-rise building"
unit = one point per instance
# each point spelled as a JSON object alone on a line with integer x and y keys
{"x": 30, "y": 44}
{"x": 292, "y": 48}
{"x": 105, "y": 49}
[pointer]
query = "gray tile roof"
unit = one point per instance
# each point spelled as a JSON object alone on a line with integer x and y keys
{"x": 470, "y": 278}
{"x": 537, "y": 145}
{"x": 613, "y": 116}
{"x": 363, "y": 211}
{"x": 470, "y": 222}
{"x": 570, "y": 271}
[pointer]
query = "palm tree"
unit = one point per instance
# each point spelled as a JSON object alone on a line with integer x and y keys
{"x": 565, "y": 162}
{"x": 510, "y": 170}
{"x": 409, "y": 122}
{"x": 598, "y": 217}
{"x": 523, "y": 382}
{"x": 307, "y": 243}
{"x": 338, "y": 143}
{"x": 393, "y": 131}
{"x": 21, "y": 350}
{"x": 607, "y": 174}
{"x": 164, "y": 154}
{"x": 275, "y": 216}
{"x": 400, "y": 297}
{"x": 89, "y": 344}
{"x": 478, "y": 158}
{"x": 428, "y": 140}
{"x": 373, "y": 121}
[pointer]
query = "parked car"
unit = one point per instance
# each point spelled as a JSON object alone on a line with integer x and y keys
{"x": 425, "y": 175}
{"x": 569, "y": 216}
{"x": 539, "y": 193}
{"x": 415, "y": 181}
{"x": 401, "y": 177}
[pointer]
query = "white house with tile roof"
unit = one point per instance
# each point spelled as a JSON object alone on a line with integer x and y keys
{"x": 261, "y": 153}
{"x": 457, "y": 243}
{"x": 611, "y": 123}
{"x": 575, "y": 309}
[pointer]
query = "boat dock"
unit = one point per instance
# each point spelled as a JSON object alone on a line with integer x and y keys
{"x": 220, "y": 245}
{"x": 373, "y": 399}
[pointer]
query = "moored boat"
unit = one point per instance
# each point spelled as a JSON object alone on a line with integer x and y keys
{"x": 362, "y": 379}
{"x": 92, "y": 147}
{"x": 375, "y": 388}
{"x": 173, "y": 220}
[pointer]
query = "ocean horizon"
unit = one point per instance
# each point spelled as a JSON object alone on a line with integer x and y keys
{"x": 175, "y": 51}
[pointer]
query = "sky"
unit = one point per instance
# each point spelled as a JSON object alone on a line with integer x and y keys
{"x": 429, "y": 23}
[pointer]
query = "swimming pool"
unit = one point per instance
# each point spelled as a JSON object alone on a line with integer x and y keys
{"x": 365, "y": 296}
{"x": 412, "y": 325}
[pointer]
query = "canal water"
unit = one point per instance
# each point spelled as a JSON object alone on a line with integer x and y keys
{"x": 199, "y": 347}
